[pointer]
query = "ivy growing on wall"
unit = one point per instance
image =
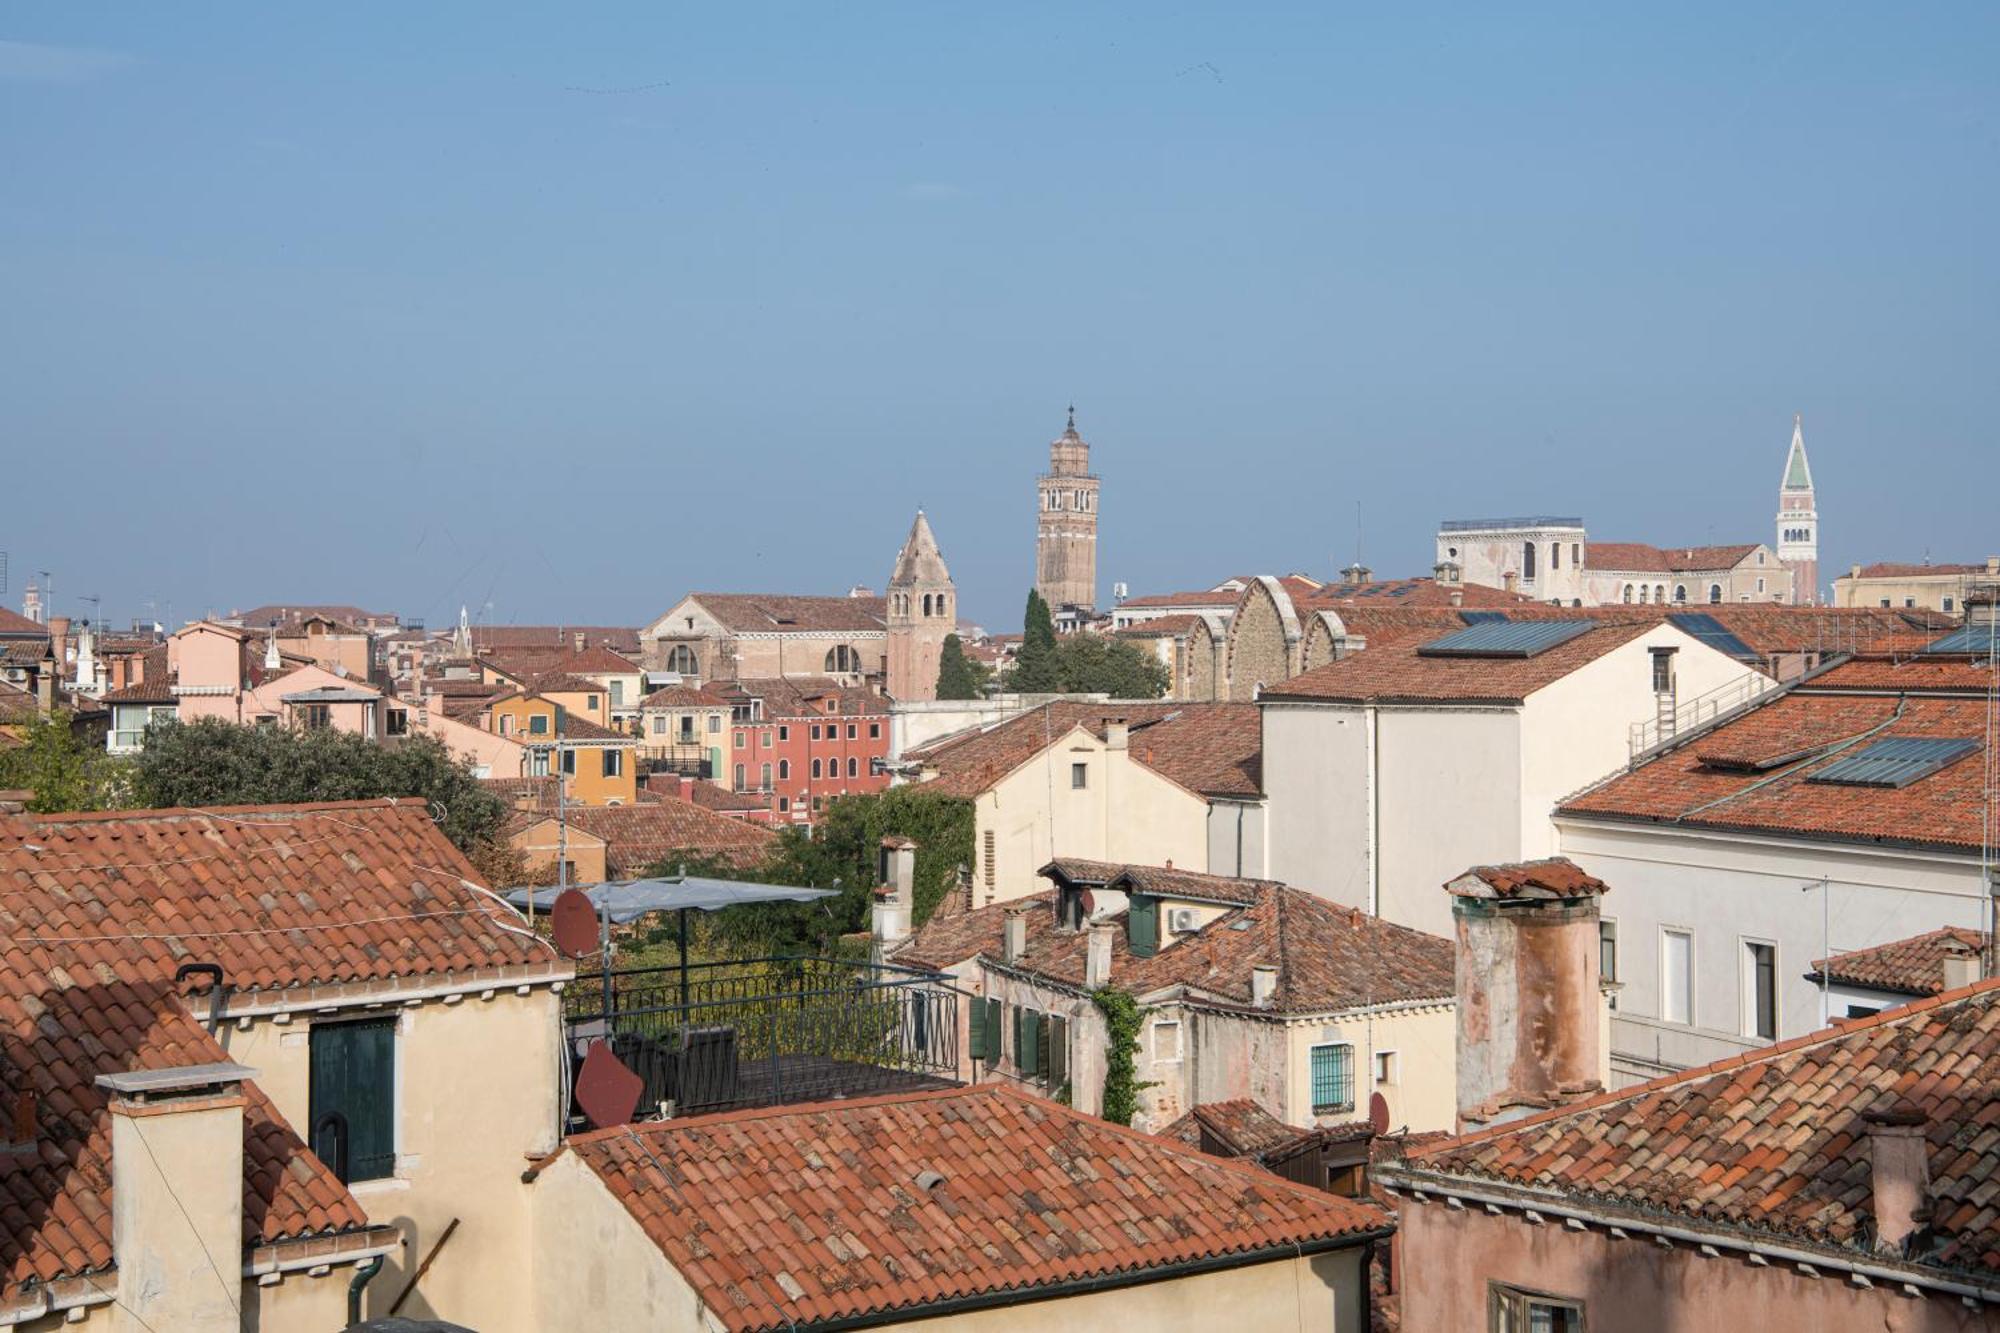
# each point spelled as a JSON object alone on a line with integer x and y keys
{"x": 1122, "y": 1016}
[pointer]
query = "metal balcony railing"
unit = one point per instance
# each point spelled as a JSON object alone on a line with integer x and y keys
{"x": 768, "y": 1031}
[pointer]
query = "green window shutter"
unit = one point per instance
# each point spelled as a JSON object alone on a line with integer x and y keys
{"x": 1142, "y": 926}
{"x": 1043, "y": 1023}
{"x": 989, "y": 1031}
{"x": 353, "y": 1083}
{"x": 1058, "y": 1051}
{"x": 1027, "y": 1045}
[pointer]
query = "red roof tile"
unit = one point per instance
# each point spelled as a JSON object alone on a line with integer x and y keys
{"x": 784, "y": 1218}
{"x": 638, "y": 836}
{"x": 1239, "y": 1128}
{"x": 1553, "y": 877}
{"x": 494, "y": 638}
{"x": 1914, "y": 966}
{"x": 1211, "y": 749}
{"x": 14, "y": 623}
{"x": 777, "y": 613}
{"x": 1890, "y": 569}
{"x": 1328, "y": 957}
{"x": 1772, "y": 1141}
{"x": 1399, "y": 672}
{"x": 1751, "y": 774}
{"x": 97, "y": 911}
{"x": 1619, "y": 557}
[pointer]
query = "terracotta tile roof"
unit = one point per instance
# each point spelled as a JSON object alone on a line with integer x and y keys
{"x": 684, "y": 696}
{"x": 96, "y": 913}
{"x": 17, "y": 704}
{"x": 1328, "y": 957}
{"x": 463, "y": 688}
{"x": 280, "y": 895}
{"x": 1167, "y": 882}
{"x": 803, "y": 696}
{"x": 1772, "y": 1141}
{"x": 1398, "y": 672}
{"x": 1914, "y": 966}
{"x": 24, "y": 652}
{"x": 709, "y": 796}
{"x": 533, "y": 663}
{"x": 1211, "y": 749}
{"x": 637, "y": 836}
{"x": 784, "y": 1218}
{"x": 1890, "y": 569}
{"x": 499, "y": 638}
{"x": 1913, "y": 673}
{"x": 774, "y": 613}
{"x": 1553, "y": 877}
{"x": 1619, "y": 557}
{"x": 1406, "y": 592}
{"x": 1223, "y": 598}
{"x": 1751, "y": 774}
{"x": 1241, "y": 1127}
{"x": 14, "y": 623}
{"x": 261, "y": 617}
{"x": 1159, "y": 627}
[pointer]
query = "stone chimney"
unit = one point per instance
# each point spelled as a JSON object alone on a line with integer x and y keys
{"x": 177, "y": 1193}
{"x": 1900, "y": 1173}
{"x": 1263, "y": 985}
{"x": 576, "y": 640}
{"x": 896, "y": 899}
{"x": 1982, "y": 605}
{"x": 1097, "y": 955}
{"x": 1509, "y": 579}
{"x": 1014, "y": 935}
{"x": 1529, "y": 1002}
{"x": 1117, "y": 733}
{"x": 1961, "y": 969}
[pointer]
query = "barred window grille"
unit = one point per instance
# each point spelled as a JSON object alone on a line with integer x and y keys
{"x": 1332, "y": 1079}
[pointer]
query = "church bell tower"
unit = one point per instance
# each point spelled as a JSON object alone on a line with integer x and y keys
{"x": 922, "y": 610}
{"x": 1798, "y": 521}
{"x": 1066, "y": 534}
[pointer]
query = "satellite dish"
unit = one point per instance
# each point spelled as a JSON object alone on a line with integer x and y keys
{"x": 607, "y": 1091}
{"x": 1378, "y": 1113}
{"x": 573, "y": 921}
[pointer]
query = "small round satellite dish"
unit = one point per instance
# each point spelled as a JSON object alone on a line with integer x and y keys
{"x": 607, "y": 1091}
{"x": 573, "y": 921}
{"x": 1378, "y": 1113}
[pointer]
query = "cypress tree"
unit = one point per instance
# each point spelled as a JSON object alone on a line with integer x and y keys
{"x": 1036, "y": 670}
{"x": 956, "y": 678}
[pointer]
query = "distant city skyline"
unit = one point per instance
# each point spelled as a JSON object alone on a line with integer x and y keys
{"x": 459, "y": 306}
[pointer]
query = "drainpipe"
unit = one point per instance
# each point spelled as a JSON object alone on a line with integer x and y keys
{"x": 1372, "y": 849}
{"x": 363, "y": 1275}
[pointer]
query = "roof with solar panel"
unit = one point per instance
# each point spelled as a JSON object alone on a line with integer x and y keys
{"x": 1488, "y": 661}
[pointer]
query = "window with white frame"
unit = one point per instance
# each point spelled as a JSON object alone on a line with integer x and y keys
{"x": 1386, "y": 1063}
{"x": 1760, "y": 990}
{"x": 1677, "y": 975}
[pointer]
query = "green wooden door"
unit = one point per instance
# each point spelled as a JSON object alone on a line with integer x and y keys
{"x": 353, "y": 1097}
{"x": 1142, "y": 925}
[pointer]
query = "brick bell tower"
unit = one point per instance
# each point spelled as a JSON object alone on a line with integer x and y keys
{"x": 1798, "y": 520}
{"x": 1066, "y": 532}
{"x": 922, "y": 610}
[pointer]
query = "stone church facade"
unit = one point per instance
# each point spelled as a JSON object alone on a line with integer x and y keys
{"x": 1066, "y": 526}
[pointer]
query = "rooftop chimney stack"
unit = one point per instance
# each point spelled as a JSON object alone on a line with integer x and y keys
{"x": 1117, "y": 733}
{"x": 576, "y": 640}
{"x": 177, "y": 1193}
{"x": 1530, "y": 999}
{"x": 1900, "y": 1173}
{"x": 896, "y": 899}
{"x": 1960, "y": 969}
{"x": 1263, "y": 985}
{"x": 1014, "y": 943}
{"x": 1509, "y": 579}
{"x": 1097, "y": 956}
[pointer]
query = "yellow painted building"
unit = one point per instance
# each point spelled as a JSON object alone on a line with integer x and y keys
{"x": 599, "y": 765}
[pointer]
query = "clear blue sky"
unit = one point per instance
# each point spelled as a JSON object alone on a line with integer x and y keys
{"x": 575, "y": 308}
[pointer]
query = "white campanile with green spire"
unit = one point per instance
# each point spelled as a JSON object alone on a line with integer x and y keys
{"x": 1798, "y": 520}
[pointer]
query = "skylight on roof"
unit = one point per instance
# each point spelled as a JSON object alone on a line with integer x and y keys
{"x": 1506, "y": 638}
{"x": 1481, "y": 617}
{"x": 1895, "y": 763}
{"x": 1710, "y": 631}
{"x": 1980, "y": 640}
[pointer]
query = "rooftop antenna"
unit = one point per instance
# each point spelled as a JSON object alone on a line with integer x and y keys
{"x": 95, "y": 602}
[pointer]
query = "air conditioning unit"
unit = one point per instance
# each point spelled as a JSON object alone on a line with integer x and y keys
{"x": 1180, "y": 920}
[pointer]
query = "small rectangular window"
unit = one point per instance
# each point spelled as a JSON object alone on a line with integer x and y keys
{"x": 714, "y": 722}
{"x": 1607, "y": 950}
{"x": 398, "y": 723}
{"x": 815, "y": 731}
{"x": 1385, "y": 1069}
{"x": 875, "y": 728}
{"x": 739, "y": 777}
{"x": 1166, "y": 1041}
{"x": 1512, "y": 1310}
{"x": 1677, "y": 976}
{"x": 659, "y": 725}
{"x": 1760, "y": 980}
{"x": 851, "y": 731}
{"x": 352, "y": 1097}
{"x": 784, "y": 732}
{"x": 741, "y": 740}
{"x": 538, "y": 725}
{"x": 614, "y": 763}
{"x": 1079, "y": 776}
{"x": 764, "y": 778}
{"x": 1332, "y": 1078}
{"x": 1947, "y": 603}
{"x": 1663, "y": 670}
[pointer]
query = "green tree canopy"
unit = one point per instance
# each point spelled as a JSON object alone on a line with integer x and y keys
{"x": 64, "y": 770}
{"x": 1098, "y": 663}
{"x": 211, "y": 762}
{"x": 959, "y": 677}
{"x": 1036, "y": 670}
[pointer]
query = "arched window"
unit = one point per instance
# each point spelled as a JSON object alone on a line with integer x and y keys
{"x": 1555, "y": 555}
{"x": 1527, "y": 562}
{"x": 1714, "y": 594}
{"x": 681, "y": 659}
{"x": 784, "y": 770}
{"x": 853, "y": 767}
{"x": 942, "y": 609}
{"x": 842, "y": 659}
{"x": 927, "y": 603}
{"x": 1628, "y": 592}
{"x": 816, "y": 767}
{"x": 1660, "y": 592}
{"x": 1680, "y": 593}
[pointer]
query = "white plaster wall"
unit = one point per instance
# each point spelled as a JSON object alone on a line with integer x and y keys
{"x": 594, "y": 1266}
{"x": 1449, "y": 796}
{"x": 1315, "y": 759}
{"x": 1422, "y": 1095}
{"x": 1236, "y": 838}
{"x": 1732, "y": 888}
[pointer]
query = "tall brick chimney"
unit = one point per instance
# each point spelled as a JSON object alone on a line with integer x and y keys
{"x": 1899, "y": 1173}
{"x": 1528, "y": 988}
